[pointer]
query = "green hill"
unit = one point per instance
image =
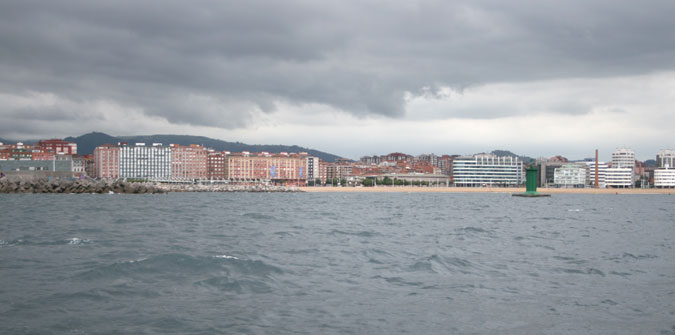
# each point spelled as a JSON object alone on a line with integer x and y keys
{"x": 88, "y": 142}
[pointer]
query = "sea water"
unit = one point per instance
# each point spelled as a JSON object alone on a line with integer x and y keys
{"x": 339, "y": 263}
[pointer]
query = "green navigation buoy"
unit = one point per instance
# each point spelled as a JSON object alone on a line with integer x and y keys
{"x": 531, "y": 184}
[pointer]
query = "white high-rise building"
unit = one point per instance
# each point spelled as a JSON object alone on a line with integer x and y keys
{"x": 623, "y": 158}
{"x": 665, "y": 158}
{"x": 619, "y": 177}
{"x": 487, "y": 170}
{"x": 145, "y": 162}
{"x": 602, "y": 173}
{"x": 570, "y": 175}
{"x": 664, "y": 177}
{"x": 312, "y": 168}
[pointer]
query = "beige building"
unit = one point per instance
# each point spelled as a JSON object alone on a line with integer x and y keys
{"x": 188, "y": 162}
{"x": 282, "y": 168}
{"x": 107, "y": 162}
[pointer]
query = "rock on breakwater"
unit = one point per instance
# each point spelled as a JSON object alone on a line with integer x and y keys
{"x": 119, "y": 186}
{"x": 225, "y": 188}
{"x": 77, "y": 186}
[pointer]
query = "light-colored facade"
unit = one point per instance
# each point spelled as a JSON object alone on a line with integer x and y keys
{"x": 188, "y": 162}
{"x": 665, "y": 158}
{"x": 602, "y": 174}
{"x": 313, "y": 168}
{"x": 623, "y": 158}
{"x": 282, "y": 167}
{"x": 570, "y": 175}
{"x": 619, "y": 177}
{"x": 330, "y": 171}
{"x": 487, "y": 170}
{"x": 79, "y": 166}
{"x": 145, "y": 162}
{"x": 107, "y": 162}
{"x": 664, "y": 178}
{"x": 434, "y": 179}
{"x": 546, "y": 172}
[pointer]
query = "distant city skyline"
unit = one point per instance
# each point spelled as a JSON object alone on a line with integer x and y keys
{"x": 352, "y": 78}
{"x": 603, "y": 157}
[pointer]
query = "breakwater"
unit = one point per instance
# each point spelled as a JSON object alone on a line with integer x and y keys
{"x": 118, "y": 186}
{"x": 225, "y": 188}
{"x": 77, "y": 186}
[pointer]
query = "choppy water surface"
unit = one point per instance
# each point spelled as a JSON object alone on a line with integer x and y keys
{"x": 337, "y": 263}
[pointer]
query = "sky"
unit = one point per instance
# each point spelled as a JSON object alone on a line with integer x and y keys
{"x": 353, "y": 78}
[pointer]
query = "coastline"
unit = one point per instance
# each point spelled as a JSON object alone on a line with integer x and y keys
{"x": 510, "y": 190}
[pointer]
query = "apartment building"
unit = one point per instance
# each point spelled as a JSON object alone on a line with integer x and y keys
{"x": 282, "y": 168}
{"x": 665, "y": 158}
{"x": 487, "y": 170}
{"x": 570, "y": 175}
{"x": 664, "y": 178}
{"x": 107, "y": 161}
{"x": 58, "y": 146}
{"x": 216, "y": 165}
{"x": 602, "y": 174}
{"x": 188, "y": 162}
{"x": 619, "y": 177}
{"x": 142, "y": 161}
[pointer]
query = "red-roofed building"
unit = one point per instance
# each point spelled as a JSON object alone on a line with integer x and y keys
{"x": 57, "y": 146}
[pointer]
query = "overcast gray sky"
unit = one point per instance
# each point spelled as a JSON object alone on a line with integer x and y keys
{"x": 354, "y": 78}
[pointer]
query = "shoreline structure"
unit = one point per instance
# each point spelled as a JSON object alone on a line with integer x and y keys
{"x": 413, "y": 189}
{"x": 85, "y": 186}
{"x": 102, "y": 186}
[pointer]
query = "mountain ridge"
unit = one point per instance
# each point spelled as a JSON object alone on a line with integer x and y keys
{"x": 88, "y": 142}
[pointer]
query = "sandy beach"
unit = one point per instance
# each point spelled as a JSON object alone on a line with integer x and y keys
{"x": 410, "y": 189}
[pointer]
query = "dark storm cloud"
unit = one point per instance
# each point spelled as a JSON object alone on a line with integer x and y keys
{"x": 215, "y": 62}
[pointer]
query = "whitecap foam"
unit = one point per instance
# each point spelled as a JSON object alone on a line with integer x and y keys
{"x": 226, "y": 257}
{"x": 575, "y": 210}
{"x": 78, "y": 241}
{"x": 136, "y": 260}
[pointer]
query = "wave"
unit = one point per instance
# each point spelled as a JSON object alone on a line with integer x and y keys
{"x": 439, "y": 264}
{"x": 358, "y": 233}
{"x": 261, "y": 217}
{"x": 70, "y": 241}
{"x": 587, "y": 271}
{"x": 181, "y": 267}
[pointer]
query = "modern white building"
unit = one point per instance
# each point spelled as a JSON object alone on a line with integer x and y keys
{"x": 665, "y": 158}
{"x": 570, "y": 175}
{"x": 602, "y": 174}
{"x": 487, "y": 170}
{"x": 312, "y": 168}
{"x": 623, "y": 158}
{"x": 619, "y": 177}
{"x": 664, "y": 178}
{"x": 145, "y": 162}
